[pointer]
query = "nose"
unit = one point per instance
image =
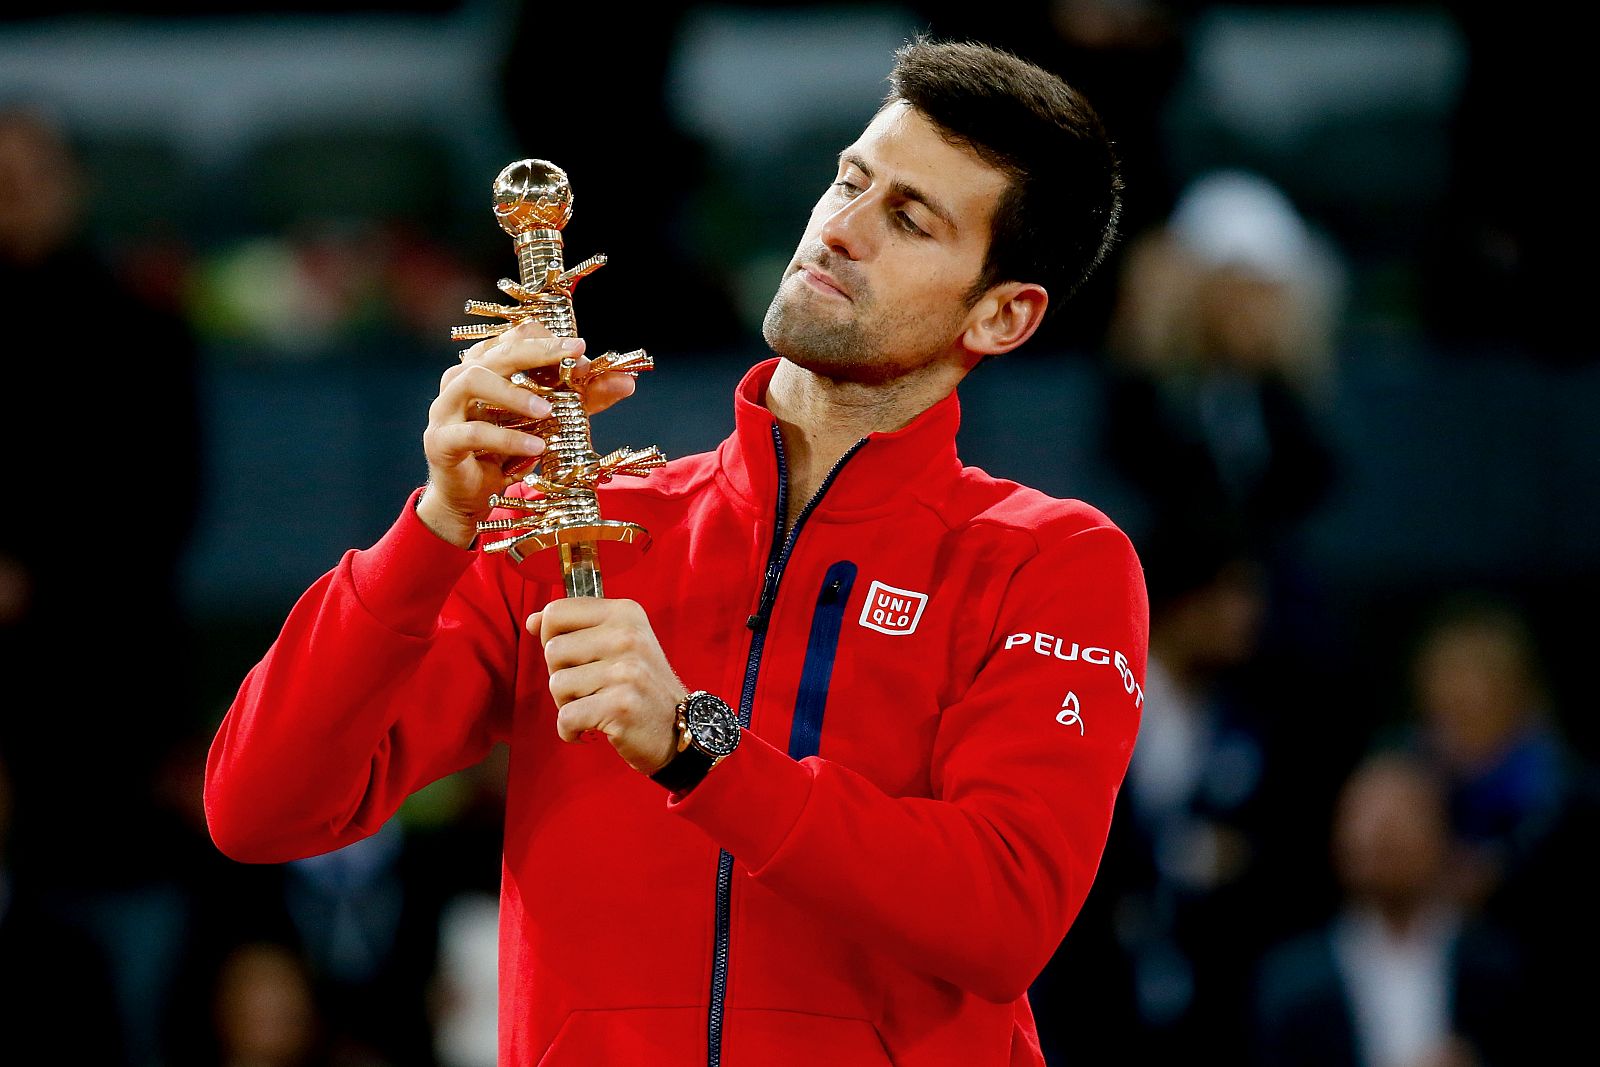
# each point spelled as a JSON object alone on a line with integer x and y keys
{"x": 847, "y": 228}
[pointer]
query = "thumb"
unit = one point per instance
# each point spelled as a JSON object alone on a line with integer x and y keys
{"x": 534, "y": 621}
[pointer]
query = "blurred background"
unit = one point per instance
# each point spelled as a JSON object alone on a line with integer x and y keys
{"x": 1338, "y": 383}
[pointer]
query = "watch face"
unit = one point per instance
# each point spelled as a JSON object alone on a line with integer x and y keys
{"x": 712, "y": 724}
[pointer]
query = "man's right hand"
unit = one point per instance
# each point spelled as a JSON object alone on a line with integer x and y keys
{"x": 466, "y": 452}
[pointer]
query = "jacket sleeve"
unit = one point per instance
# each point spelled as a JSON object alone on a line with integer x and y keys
{"x": 978, "y": 884}
{"x": 395, "y": 669}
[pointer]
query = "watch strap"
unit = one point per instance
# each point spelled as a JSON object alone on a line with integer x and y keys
{"x": 684, "y": 770}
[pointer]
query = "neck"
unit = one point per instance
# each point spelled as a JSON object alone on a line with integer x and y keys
{"x": 821, "y": 418}
{"x": 1402, "y": 914}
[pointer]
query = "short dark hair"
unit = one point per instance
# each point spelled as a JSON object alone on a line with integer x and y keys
{"x": 1057, "y": 219}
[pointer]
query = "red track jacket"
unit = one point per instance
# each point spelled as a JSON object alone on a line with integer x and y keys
{"x": 941, "y": 676}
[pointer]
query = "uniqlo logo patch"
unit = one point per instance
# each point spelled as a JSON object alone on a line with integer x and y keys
{"x": 892, "y": 611}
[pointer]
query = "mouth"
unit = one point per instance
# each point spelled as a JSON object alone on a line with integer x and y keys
{"x": 820, "y": 280}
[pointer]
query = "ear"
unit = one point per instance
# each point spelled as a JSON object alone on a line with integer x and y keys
{"x": 1004, "y": 317}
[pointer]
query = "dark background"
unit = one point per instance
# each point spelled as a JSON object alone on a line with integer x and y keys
{"x": 219, "y": 385}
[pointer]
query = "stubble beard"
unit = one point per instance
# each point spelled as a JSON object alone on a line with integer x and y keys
{"x": 838, "y": 348}
{"x": 804, "y": 338}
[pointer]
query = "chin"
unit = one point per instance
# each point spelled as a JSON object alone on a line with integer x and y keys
{"x": 833, "y": 346}
{"x": 797, "y": 334}
{"x": 830, "y": 350}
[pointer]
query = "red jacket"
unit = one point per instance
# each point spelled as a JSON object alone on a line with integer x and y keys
{"x": 940, "y": 672}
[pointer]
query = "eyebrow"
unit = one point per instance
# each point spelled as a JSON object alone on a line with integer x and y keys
{"x": 903, "y": 188}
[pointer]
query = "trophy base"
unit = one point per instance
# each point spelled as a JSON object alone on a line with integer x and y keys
{"x": 620, "y": 546}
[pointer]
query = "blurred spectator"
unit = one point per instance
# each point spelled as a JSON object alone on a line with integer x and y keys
{"x": 1525, "y": 808}
{"x": 1221, "y": 367}
{"x": 104, "y": 428}
{"x": 368, "y": 924}
{"x": 265, "y": 1013}
{"x": 465, "y": 998}
{"x": 93, "y": 414}
{"x": 1401, "y": 977}
{"x": 458, "y": 861}
{"x": 1208, "y": 827}
{"x": 224, "y": 905}
{"x": 1223, "y": 333}
{"x": 323, "y": 962}
{"x": 1484, "y": 722}
{"x": 386, "y": 936}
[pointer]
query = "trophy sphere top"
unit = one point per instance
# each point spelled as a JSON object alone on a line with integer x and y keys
{"x": 532, "y": 194}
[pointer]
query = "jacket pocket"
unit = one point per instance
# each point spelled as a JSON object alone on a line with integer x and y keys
{"x": 623, "y": 1036}
{"x": 771, "y": 1038}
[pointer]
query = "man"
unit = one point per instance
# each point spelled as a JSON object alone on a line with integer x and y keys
{"x": 916, "y": 688}
{"x": 1402, "y": 976}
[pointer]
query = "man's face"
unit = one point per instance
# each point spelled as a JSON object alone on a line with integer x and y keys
{"x": 878, "y": 285}
{"x": 1391, "y": 835}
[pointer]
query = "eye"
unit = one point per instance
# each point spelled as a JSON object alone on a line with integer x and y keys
{"x": 847, "y": 187}
{"x": 909, "y": 225}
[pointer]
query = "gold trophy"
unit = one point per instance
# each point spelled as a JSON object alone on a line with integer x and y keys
{"x": 533, "y": 201}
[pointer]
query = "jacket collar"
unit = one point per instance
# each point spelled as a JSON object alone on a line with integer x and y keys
{"x": 920, "y": 454}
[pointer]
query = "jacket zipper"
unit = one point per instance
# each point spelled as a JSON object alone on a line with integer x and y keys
{"x": 805, "y": 736}
{"x": 777, "y": 557}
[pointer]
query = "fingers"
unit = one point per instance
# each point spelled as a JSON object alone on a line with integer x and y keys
{"x": 607, "y": 390}
{"x": 584, "y": 719}
{"x": 607, "y": 677}
{"x": 575, "y": 683}
{"x": 603, "y": 715}
{"x": 584, "y": 656}
{"x": 572, "y": 614}
{"x": 452, "y": 443}
{"x": 458, "y": 420}
{"x": 528, "y": 346}
{"x": 467, "y": 391}
{"x": 578, "y": 638}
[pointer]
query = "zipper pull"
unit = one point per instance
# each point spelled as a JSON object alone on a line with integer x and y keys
{"x": 769, "y": 593}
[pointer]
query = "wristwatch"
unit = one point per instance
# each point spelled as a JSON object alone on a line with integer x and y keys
{"x": 708, "y": 730}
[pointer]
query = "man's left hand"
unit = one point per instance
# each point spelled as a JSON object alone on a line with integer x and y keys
{"x": 608, "y": 674}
